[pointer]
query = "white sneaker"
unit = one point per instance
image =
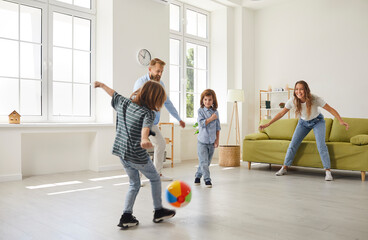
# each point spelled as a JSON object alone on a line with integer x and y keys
{"x": 165, "y": 178}
{"x": 281, "y": 172}
{"x": 328, "y": 176}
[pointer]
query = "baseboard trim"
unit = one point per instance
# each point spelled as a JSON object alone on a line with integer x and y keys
{"x": 10, "y": 177}
{"x": 110, "y": 167}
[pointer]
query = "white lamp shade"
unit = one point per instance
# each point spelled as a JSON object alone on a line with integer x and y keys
{"x": 235, "y": 95}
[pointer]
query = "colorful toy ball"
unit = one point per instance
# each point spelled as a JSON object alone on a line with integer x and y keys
{"x": 178, "y": 194}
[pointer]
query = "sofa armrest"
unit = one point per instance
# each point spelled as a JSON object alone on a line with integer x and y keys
{"x": 361, "y": 139}
{"x": 257, "y": 136}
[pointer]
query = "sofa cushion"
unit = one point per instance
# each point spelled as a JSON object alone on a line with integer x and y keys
{"x": 357, "y": 126}
{"x": 311, "y": 136}
{"x": 359, "y": 139}
{"x": 257, "y": 136}
{"x": 282, "y": 129}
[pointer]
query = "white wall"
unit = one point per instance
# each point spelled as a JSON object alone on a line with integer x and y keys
{"x": 323, "y": 42}
{"x": 104, "y": 59}
{"x": 138, "y": 24}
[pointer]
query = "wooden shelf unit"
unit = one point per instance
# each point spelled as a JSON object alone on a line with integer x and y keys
{"x": 169, "y": 140}
{"x": 269, "y": 95}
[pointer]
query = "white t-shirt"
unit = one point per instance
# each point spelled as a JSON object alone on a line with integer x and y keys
{"x": 316, "y": 102}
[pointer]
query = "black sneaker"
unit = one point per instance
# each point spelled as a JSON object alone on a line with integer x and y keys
{"x": 163, "y": 214}
{"x": 208, "y": 184}
{"x": 197, "y": 181}
{"x": 128, "y": 220}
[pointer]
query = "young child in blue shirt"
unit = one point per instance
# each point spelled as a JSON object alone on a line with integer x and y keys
{"x": 135, "y": 118}
{"x": 209, "y": 134}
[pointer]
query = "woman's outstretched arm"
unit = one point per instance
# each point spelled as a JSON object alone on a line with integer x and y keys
{"x": 336, "y": 115}
{"x": 274, "y": 119}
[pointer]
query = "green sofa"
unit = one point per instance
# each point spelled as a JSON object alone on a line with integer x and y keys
{"x": 348, "y": 149}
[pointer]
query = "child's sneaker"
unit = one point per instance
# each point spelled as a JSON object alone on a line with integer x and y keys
{"x": 128, "y": 220}
{"x": 208, "y": 184}
{"x": 163, "y": 214}
{"x": 281, "y": 172}
{"x": 197, "y": 181}
{"x": 328, "y": 176}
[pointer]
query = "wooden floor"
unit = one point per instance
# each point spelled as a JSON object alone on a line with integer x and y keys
{"x": 243, "y": 204}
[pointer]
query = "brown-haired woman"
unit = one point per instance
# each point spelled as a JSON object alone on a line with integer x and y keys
{"x": 135, "y": 118}
{"x": 208, "y": 136}
{"x": 306, "y": 107}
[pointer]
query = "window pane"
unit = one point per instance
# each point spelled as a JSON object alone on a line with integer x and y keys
{"x": 8, "y": 20}
{"x": 30, "y": 24}
{"x": 81, "y": 99}
{"x": 202, "y": 25}
{"x": 62, "y": 30}
{"x": 174, "y": 17}
{"x": 30, "y": 97}
{"x": 62, "y": 64}
{"x": 202, "y": 57}
{"x": 30, "y": 61}
{"x": 62, "y": 99}
{"x": 81, "y": 69}
{"x": 190, "y": 80}
{"x": 190, "y": 105}
{"x": 175, "y": 99}
{"x": 202, "y": 81}
{"x": 83, "y": 3}
{"x": 82, "y": 34}
{"x": 191, "y": 22}
{"x": 197, "y": 99}
{"x": 66, "y": 1}
{"x": 190, "y": 54}
{"x": 174, "y": 78}
{"x": 174, "y": 51}
{"x": 9, "y": 58}
{"x": 9, "y": 96}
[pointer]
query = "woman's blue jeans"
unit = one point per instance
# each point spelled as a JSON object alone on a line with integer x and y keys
{"x": 302, "y": 129}
{"x": 148, "y": 170}
{"x": 205, "y": 153}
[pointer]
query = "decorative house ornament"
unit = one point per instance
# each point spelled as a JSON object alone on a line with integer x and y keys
{"x": 14, "y": 118}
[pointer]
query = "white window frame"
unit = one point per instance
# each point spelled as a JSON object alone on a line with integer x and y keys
{"x": 184, "y": 38}
{"x": 47, "y": 7}
{"x": 92, "y": 116}
{"x": 43, "y": 117}
{"x": 196, "y": 91}
{"x": 76, "y": 8}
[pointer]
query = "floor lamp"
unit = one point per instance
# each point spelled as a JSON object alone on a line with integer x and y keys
{"x": 235, "y": 96}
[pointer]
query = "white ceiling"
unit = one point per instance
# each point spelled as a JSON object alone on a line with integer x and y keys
{"x": 260, "y": 4}
{"x": 211, "y": 5}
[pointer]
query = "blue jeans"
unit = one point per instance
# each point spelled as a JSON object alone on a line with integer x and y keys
{"x": 205, "y": 153}
{"x": 148, "y": 170}
{"x": 302, "y": 129}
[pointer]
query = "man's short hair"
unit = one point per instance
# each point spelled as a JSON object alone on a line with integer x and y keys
{"x": 157, "y": 60}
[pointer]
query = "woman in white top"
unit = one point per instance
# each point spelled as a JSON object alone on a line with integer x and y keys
{"x": 306, "y": 107}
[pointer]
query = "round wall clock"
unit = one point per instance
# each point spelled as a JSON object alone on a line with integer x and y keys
{"x": 144, "y": 57}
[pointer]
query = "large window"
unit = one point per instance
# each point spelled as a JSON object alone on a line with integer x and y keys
{"x": 189, "y": 52}
{"x": 46, "y": 60}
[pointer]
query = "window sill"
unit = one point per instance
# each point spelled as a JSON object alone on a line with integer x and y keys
{"x": 55, "y": 125}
